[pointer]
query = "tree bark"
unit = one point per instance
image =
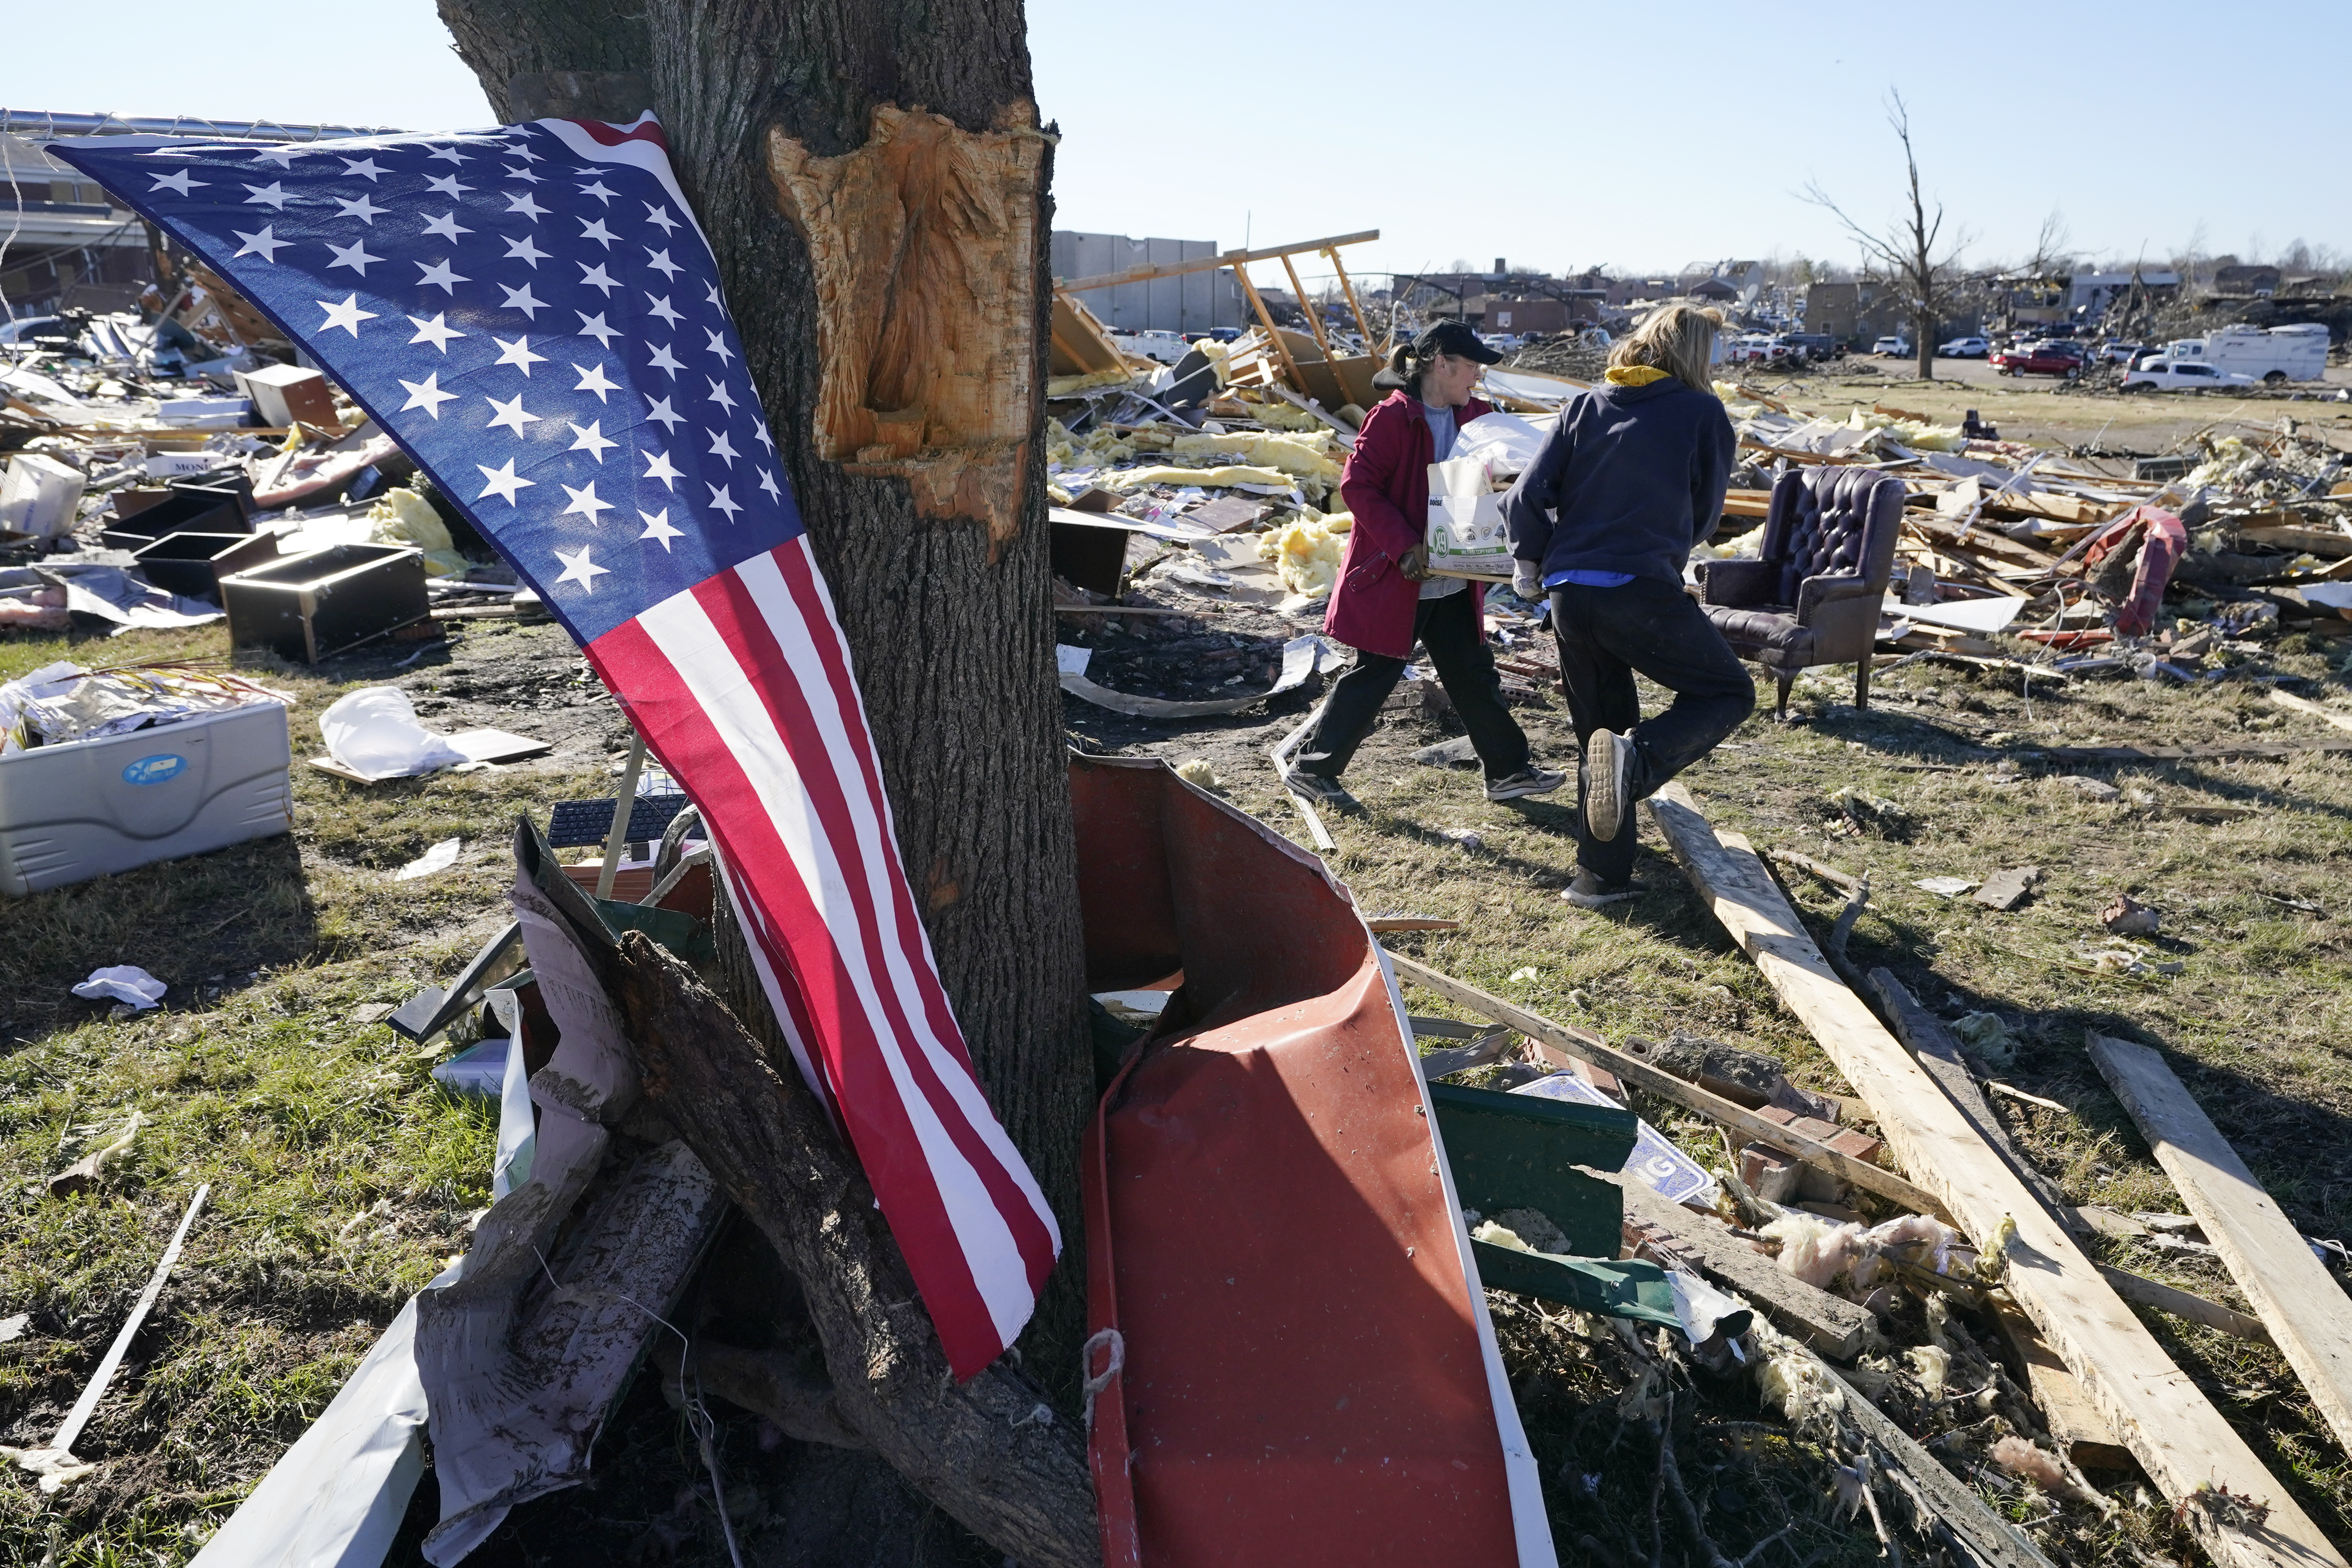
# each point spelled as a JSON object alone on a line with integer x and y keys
{"x": 874, "y": 185}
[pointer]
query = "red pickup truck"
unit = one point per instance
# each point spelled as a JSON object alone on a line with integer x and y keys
{"x": 2039, "y": 359}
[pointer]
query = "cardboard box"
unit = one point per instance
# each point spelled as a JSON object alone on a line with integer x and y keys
{"x": 286, "y": 395}
{"x": 89, "y": 808}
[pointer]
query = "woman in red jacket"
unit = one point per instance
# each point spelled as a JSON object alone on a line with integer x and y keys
{"x": 1386, "y": 601}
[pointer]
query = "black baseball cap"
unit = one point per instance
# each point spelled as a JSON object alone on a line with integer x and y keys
{"x": 1453, "y": 338}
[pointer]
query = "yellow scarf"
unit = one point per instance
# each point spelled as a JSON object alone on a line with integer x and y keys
{"x": 1635, "y": 374}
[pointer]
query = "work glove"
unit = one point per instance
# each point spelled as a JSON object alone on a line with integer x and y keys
{"x": 1415, "y": 565}
{"x": 1526, "y": 581}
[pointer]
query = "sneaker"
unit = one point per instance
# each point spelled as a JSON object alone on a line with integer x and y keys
{"x": 1589, "y": 892}
{"x": 1318, "y": 790}
{"x": 1527, "y": 781}
{"x": 1608, "y": 757}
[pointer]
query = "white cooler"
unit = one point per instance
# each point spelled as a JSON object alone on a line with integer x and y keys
{"x": 87, "y": 808}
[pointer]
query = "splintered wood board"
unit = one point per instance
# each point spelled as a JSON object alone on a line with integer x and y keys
{"x": 2168, "y": 1424}
{"x": 2308, "y": 1315}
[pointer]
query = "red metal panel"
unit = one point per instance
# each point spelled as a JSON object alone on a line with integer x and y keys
{"x": 1304, "y": 1374}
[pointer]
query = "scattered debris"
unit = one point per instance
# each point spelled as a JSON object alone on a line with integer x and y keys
{"x": 85, "y": 1174}
{"x": 2007, "y": 889}
{"x": 2127, "y": 916}
{"x": 440, "y": 858}
{"x": 126, "y": 983}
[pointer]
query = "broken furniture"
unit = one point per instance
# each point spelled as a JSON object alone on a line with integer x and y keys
{"x": 1812, "y": 597}
{"x": 193, "y": 564}
{"x": 314, "y": 605}
{"x": 288, "y": 394}
{"x": 195, "y": 505}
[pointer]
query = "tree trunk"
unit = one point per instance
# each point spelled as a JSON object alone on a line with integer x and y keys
{"x": 874, "y": 185}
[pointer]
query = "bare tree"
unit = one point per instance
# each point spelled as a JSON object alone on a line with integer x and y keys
{"x": 2051, "y": 252}
{"x": 1907, "y": 249}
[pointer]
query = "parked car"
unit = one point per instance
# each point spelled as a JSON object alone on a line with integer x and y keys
{"x": 1965, "y": 348}
{"x": 2183, "y": 376}
{"x": 1818, "y": 345}
{"x": 2045, "y": 358}
{"x": 1502, "y": 343}
{"x": 1892, "y": 348}
{"x": 2116, "y": 352}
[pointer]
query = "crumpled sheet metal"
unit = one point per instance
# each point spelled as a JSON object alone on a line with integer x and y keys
{"x": 1277, "y": 1259}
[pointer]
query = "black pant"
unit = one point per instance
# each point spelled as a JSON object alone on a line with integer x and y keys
{"x": 1607, "y": 634}
{"x": 1465, "y": 667}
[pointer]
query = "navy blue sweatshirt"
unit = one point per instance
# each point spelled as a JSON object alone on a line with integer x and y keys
{"x": 1630, "y": 479}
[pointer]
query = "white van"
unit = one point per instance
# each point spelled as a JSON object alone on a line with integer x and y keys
{"x": 2277, "y": 355}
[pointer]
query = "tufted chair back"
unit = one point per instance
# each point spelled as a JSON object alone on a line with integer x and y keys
{"x": 1831, "y": 520}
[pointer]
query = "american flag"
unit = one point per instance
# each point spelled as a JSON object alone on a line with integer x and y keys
{"x": 533, "y": 314}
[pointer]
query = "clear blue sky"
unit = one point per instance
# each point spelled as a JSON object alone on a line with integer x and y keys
{"x": 1485, "y": 131}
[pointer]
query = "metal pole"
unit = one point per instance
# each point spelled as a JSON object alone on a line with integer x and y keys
{"x": 622, "y": 808}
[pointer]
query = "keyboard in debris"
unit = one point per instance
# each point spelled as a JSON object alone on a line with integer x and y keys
{"x": 582, "y": 822}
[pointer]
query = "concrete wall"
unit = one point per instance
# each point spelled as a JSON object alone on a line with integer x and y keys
{"x": 1191, "y": 302}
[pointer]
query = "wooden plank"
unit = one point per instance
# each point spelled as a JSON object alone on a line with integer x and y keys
{"x": 1234, "y": 258}
{"x": 1314, "y": 316}
{"x": 1347, "y": 287}
{"x": 2074, "y": 1420}
{"x": 2306, "y": 1312}
{"x": 2179, "y": 1440}
{"x": 2186, "y": 1305}
{"x": 1558, "y": 1042}
{"x": 1830, "y": 1324}
{"x": 2305, "y": 705}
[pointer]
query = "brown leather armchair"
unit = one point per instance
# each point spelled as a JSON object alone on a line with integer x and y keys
{"x": 1813, "y": 596}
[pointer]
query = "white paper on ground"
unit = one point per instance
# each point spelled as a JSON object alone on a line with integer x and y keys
{"x": 1666, "y": 1169}
{"x": 1961, "y": 615}
{"x": 375, "y": 732}
{"x": 440, "y": 858}
{"x": 124, "y": 983}
{"x": 1068, "y": 660}
{"x": 1944, "y": 887}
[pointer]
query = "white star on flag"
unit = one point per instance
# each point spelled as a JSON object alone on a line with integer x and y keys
{"x": 579, "y": 569}
{"x": 283, "y": 155}
{"x": 266, "y": 244}
{"x": 525, "y": 206}
{"x": 447, "y": 186}
{"x": 664, "y": 360}
{"x": 657, "y": 528}
{"x": 523, "y": 175}
{"x": 657, "y": 467}
{"x": 524, "y": 251}
{"x": 662, "y": 264}
{"x": 584, "y": 502}
{"x": 182, "y": 182}
{"x": 599, "y": 233}
{"x": 596, "y": 278}
{"x": 501, "y": 481}
{"x": 512, "y": 415}
{"x": 717, "y": 346}
{"x": 599, "y": 191}
{"x": 518, "y": 354}
{"x": 663, "y": 414}
{"x": 441, "y": 276}
{"x": 768, "y": 483}
{"x": 436, "y": 332}
{"x": 722, "y": 448}
{"x": 451, "y": 154}
{"x": 272, "y": 195}
{"x": 594, "y": 379}
{"x": 594, "y": 327}
{"x": 364, "y": 167}
{"x": 660, "y": 215}
{"x": 428, "y": 394}
{"x": 363, "y": 209}
{"x": 447, "y": 226}
{"x": 524, "y": 300}
{"x": 590, "y": 439}
{"x": 760, "y": 434}
{"x": 662, "y": 309}
{"x": 347, "y": 315}
{"x": 354, "y": 256}
{"x": 721, "y": 501}
{"x": 719, "y": 394}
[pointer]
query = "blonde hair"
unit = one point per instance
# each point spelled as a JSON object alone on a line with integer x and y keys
{"x": 1677, "y": 339}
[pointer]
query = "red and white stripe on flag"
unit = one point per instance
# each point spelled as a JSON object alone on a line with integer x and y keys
{"x": 742, "y": 686}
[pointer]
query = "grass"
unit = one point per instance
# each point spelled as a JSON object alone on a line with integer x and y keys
{"x": 342, "y": 1175}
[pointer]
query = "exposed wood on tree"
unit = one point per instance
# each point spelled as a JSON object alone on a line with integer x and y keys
{"x": 924, "y": 246}
{"x": 2183, "y": 1442}
{"x": 991, "y": 1452}
{"x": 2308, "y": 1313}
